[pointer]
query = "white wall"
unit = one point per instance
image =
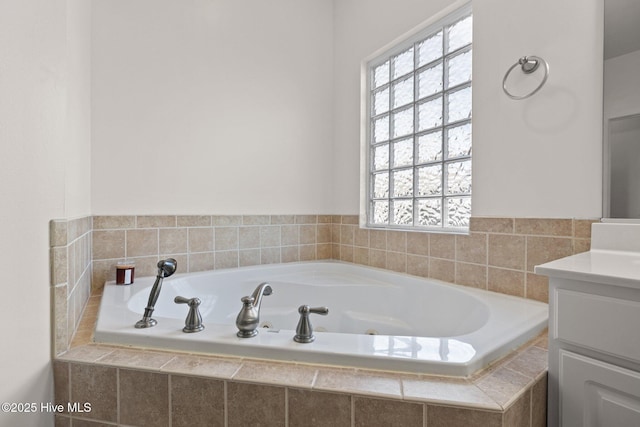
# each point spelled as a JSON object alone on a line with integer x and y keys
{"x": 361, "y": 28}
{"x": 205, "y": 106}
{"x": 540, "y": 157}
{"x": 39, "y": 73}
{"x": 624, "y": 138}
{"x": 622, "y": 85}
{"x": 621, "y": 98}
{"x": 78, "y": 110}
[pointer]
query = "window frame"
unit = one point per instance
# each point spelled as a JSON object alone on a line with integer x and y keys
{"x": 385, "y": 54}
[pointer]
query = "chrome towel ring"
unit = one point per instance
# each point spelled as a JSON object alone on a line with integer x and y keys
{"x": 528, "y": 64}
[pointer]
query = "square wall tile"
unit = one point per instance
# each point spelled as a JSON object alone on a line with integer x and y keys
{"x": 418, "y": 243}
{"x": 96, "y": 385}
{"x": 510, "y": 282}
{"x": 397, "y": 241}
{"x": 255, "y": 405}
{"x": 249, "y": 237}
{"x": 226, "y": 238}
{"x": 308, "y": 253}
{"x": 381, "y": 412}
{"x": 269, "y": 236}
{"x": 289, "y": 254}
{"x": 544, "y": 249}
{"x": 473, "y": 275}
{"x": 472, "y": 248}
{"x": 519, "y": 413}
{"x": 200, "y": 239}
{"x": 173, "y": 240}
{"x": 442, "y": 246}
{"x": 144, "y": 398}
{"x": 108, "y": 244}
{"x": 308, "y": 234}
{"x": 196, "y": 402}
{"x": 442, "y": 269}
{"x": 289, "y": 235}
{"x": 507, "y": 251}
{"x": 377, "y": 239}
{"x": 248, "y": 257}
{"x": 318, "y": 409}
{"x": 202, "y": 261}
{"x": 142, "y": 242}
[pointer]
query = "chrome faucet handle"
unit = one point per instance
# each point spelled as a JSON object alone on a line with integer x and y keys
{"x": 304, "y": 330}
{"x": 193, "y": 322}
{"x": 247, "y": 319}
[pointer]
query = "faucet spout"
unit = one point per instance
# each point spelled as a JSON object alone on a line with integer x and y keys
{"x": 263, "y": 289}
{"x": 249, "y": 316}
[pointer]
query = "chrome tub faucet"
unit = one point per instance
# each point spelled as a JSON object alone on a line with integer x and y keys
{"x": 166, "y": 268}
{"x": 249, "y": 316}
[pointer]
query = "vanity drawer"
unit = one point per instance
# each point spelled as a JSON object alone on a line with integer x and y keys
{"x": 605, "y": 324}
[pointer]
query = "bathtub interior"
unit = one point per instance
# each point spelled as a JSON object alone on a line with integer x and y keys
{"x": 357, "y": 305}
{"x": 377, "y": 319}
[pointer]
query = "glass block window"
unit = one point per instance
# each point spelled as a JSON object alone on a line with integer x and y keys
{"x": 419, "y": 136}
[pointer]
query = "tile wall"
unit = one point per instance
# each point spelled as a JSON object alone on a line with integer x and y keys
{"x": 207, "y": 242}
{"x": 498, "y": 255}
{"x": 152, "y": 388}
{"x": 70, "y": 252}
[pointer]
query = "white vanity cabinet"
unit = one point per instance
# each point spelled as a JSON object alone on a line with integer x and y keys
{"x": 594, "y": 332}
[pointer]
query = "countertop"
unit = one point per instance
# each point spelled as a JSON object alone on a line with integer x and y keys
{"x": 617, "y": 268}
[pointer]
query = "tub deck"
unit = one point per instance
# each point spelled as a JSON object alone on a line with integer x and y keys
{"x": 511, "y": 391}
{"x": 464, "y": 329}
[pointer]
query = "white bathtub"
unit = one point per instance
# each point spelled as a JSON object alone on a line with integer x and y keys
{"x": 419, "y": 325}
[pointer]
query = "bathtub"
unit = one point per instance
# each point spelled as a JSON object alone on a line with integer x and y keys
{"x": 377, "y": 319}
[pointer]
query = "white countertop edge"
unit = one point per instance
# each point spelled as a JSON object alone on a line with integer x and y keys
{"x": 616, "y": 268}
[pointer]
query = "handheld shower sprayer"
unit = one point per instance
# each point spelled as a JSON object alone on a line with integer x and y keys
{"x": 166, "y": 268}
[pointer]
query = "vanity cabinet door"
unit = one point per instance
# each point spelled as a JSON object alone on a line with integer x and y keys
{"x": 595, "y": 393}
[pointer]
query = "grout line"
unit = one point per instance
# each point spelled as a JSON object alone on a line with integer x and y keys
{"x": 353, "y": 410}
{"x": 69, "y": 397}
{"x": 169, "y": 400}
{"x": 118, "y": 396}
{"x": 286, "y": 406}
{"x": 424, "y": 414}
{"x": 225, "y": 404}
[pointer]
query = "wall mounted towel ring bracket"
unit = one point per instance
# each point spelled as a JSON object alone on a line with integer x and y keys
{"x": 528, "y": 64}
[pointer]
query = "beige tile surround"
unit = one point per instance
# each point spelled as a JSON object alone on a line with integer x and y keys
{"x": 195, "y": 389}
{"x": 498, "y": 255}
{"x": 70, "y": 254}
